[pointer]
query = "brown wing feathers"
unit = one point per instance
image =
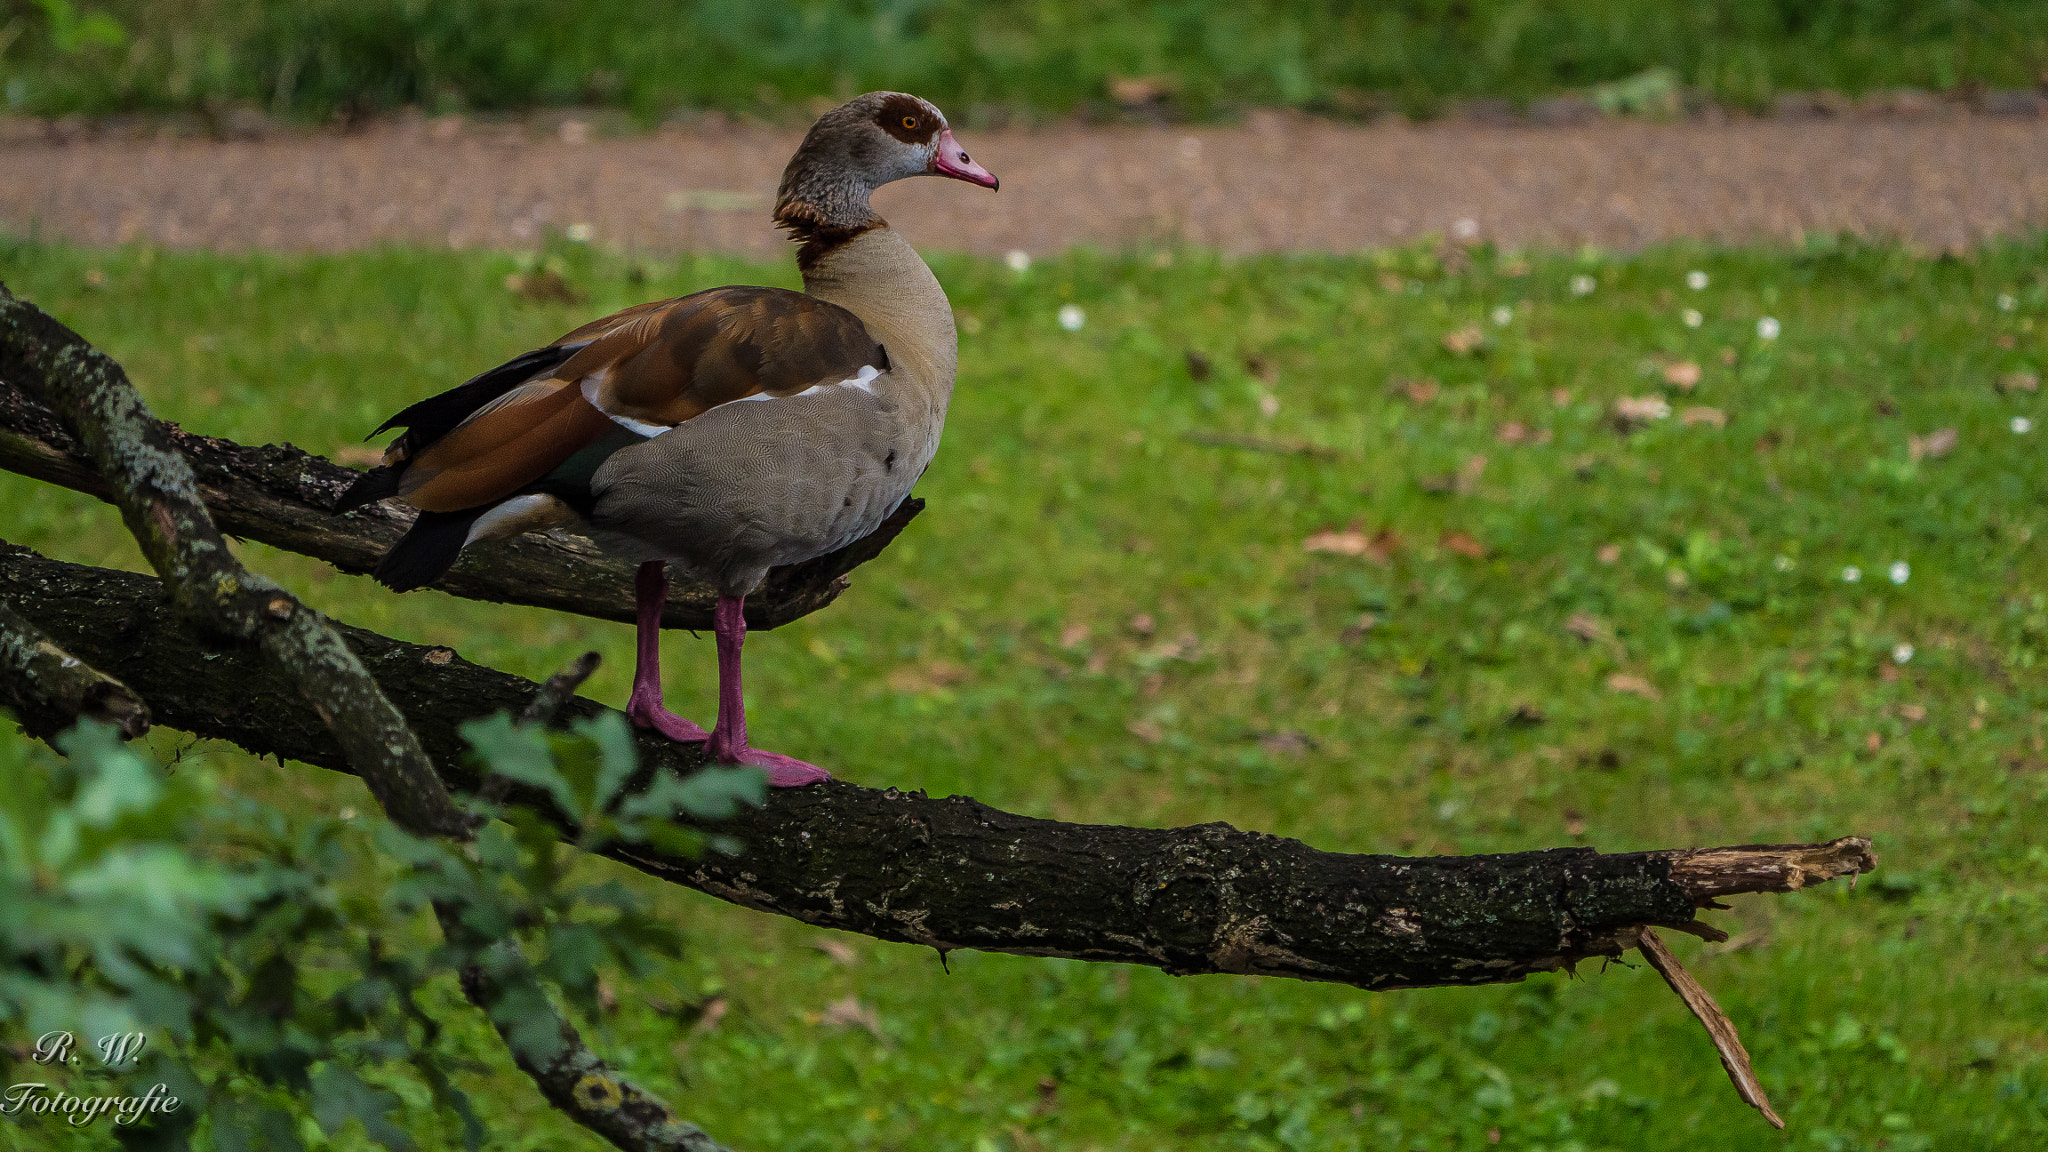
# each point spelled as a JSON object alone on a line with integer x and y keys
{"x": 659, "y": 363}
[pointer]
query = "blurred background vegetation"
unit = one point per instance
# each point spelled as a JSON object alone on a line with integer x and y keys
{"x": 993, "y": 59}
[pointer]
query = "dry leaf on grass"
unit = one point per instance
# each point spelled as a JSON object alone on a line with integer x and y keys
{"x": 1513, "y": 432}
{"x": 838, "y": 950}
{"x": 849, "y": 1013}
{"x": 1418, "y": 391}
{"x": 1142, "y": 624}
{"x": 2019, "y": 382}
{"x": 1932, "y": 446}
{"x": 1379, "y": 548}
{"x": 1713, "y": 417}
{"x": 1630, "y": 682}
{"x": 1631, "y": 412}
{"x": 1682, "y": 374}
{"x": 919, "y": 679}
{"x": 544, "y": 286}
{"x": 1348, "y": 542}
{"x": 1285, "y": 743}
{"x": 1146, "y": 730}
{"x": 1608, "y": 554}
{"x": 1073, "y": 634}
{"x": 1140, "y": 91}
{"x": 1469, "y": 473}
{"x": 1463, "y": 544}
{"x": 1464, "y": 340}
{"x": 1594, "y": 630}
{"x": 1367, "y": 621}
{"x": 1913, "y": 713}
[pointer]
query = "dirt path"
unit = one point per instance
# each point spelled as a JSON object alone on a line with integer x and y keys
{"x": 1276, "y": 183}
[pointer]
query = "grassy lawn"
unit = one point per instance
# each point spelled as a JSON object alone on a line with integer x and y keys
{"x": 1528, "y": 628}
{"x": 313, "y": 58}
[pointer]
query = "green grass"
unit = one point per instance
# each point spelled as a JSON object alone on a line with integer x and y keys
{"x": 991, "y": 652}
{"x": 311, "y": 58}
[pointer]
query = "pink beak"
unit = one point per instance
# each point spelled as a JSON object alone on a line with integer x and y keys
{"x": 951, "y": 160}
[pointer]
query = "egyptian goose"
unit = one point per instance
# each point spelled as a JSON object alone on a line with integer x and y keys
{"x": 730, "y": 431}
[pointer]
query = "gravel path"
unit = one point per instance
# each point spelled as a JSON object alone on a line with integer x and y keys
{"x": 1276, "y": 182}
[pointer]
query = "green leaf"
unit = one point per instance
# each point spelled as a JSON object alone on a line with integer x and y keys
{"x": 117, "y": 781}
{"x": 523, "y": 755}
{"x": 712, "y": 793}
{"x": 338, "y": 1094}
{"x": 618, "y": 757}
{"x": 262, "y": 1129}
{"x": 529, "y": 1022}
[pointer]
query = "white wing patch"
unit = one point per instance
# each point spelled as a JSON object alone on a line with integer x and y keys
{"x": 519, "y": 514}
{"x": 863, "y": 380}
{"x": 592, "y": 383}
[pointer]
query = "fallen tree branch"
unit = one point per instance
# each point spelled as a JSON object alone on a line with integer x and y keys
{"x": 284, "y": 497}
{"x": 951, "y": 873}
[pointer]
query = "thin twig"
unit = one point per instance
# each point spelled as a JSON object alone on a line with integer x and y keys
{"x": 1720, "y": 1029}
{"x": 557, "y": 689}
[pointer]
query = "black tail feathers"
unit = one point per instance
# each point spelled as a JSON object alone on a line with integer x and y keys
{"x": 369, "y": 488}
{"x": 428, "y": 550}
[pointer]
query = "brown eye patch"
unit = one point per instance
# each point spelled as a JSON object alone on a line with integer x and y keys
{"x": 905, "y": 118}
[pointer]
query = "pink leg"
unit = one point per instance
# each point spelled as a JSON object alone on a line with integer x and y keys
{"x": 643, "y": 708}
{"x": 729, "y": 737}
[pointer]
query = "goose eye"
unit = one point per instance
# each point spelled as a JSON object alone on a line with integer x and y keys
{"x": 910, "y": 121}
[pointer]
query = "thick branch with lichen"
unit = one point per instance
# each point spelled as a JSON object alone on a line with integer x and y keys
{"x": 149, "y": 480}
{"x": 952, "y": 873}
{"x": 49, "y": 689}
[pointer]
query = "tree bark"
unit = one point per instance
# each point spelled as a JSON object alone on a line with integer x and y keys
{"x": 49, "y": 689}
{"x": 150, "y": 480}
{"x": 283, "y": 496}
{"x": 953, "y": 873}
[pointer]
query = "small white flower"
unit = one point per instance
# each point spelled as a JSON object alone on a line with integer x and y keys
{"x": 1018, "y": 259}
{"x": 1767, "y": 328}
{"x": 580, "y": 233}
{"x": 1502, "y": 316}
{"x": 1900, "y": 572}
{"x": 1851, "y": 574}
{"x": 2021, "y": 425}
{"x": 1464, "y": 229}
{"x": 1583, "y": 285}
{"x": 1782, "y": 563}
{"x": 1902, "y": 653}
{"x": 1071, "y": 317}
{"x": 1692, "y": 317}
{"x": 1696, "y": 280}
{"x": 2006, "y": 303}
{"x": 347, "y": 813}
